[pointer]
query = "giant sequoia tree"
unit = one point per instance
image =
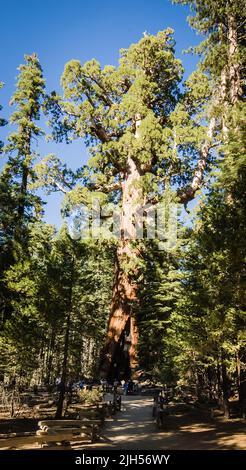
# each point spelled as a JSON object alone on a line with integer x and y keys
{"x": 144, "y": 139}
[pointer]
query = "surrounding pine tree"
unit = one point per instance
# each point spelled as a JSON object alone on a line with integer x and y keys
{"x": 160, "y": 290}
{"x": 21, "y": 155}
{"x": 59, "y": 292}
{"x": 18, "y": 203}
{"x": 3, "y": 121}
{"x": 218, "y": 277}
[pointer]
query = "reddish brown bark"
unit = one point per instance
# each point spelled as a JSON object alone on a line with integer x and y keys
{"x": 119, "y": 357}
{"x": 133, "y": 347}
{"x": 122, "y": 333}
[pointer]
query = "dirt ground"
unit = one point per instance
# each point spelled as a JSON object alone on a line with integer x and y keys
{"x": 134, "y": 428}
{"x": 186, "y": 428}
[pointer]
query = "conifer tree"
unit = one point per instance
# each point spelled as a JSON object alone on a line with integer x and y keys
{"x": 17, "y": 202}
{"x": 20, "y": 149}
{"x": 141, "y": 141}
{"x": 3, "y": 187}
{"x": 3, "y": 121}
{"x": 55, "y": 322}
{"x": 221, "y": 232}
{"x": 160, "y": 290}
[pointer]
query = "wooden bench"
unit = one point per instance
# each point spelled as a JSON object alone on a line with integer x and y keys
{"x": 10, "y": 440}
{"x": 96, "y": 412}
{"x": 54, "y": 432}
{"x": 58, "y": 431}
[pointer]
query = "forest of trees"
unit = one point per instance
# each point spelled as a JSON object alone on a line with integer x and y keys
{"x": 105, "y": 308}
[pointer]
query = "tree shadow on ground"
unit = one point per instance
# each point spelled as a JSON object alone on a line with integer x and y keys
{"x": 190, "y": 429}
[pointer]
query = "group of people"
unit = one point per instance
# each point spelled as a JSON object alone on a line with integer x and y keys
{"x": 129, "y": 387}
{"x": 72, "y": 384}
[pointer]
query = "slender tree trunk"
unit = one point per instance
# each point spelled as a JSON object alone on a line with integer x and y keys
{"x": 210, "y": 376}
{"x": 64, "y": 369}
{"x": 42, "y": 360}
{"x": 231, "y": 89}
{"x": 134, "y": 342}
{"x": 241, "y": 374}
{"x": 25, "y": 172}
{"x": 234, "y": 66}
{"x": 23, "y": 192}
{"x": 225, "y": 387}
{"x": 50, "y": 354}
{"x": 65, "y": 351}
{"x": 224, "y": 101}
{"x": 219, "y": 382}
{"x": 199, "y": 385}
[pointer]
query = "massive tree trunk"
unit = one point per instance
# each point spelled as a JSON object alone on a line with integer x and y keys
{"x": 119, "y": 358}
{"x": 122, "y": 329}
{"x": 119, "y": 355}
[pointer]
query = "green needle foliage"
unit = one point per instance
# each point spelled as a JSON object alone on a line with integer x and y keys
{"x": 55, "y": 292}
{"x": 105, "y": 106}
{"x": 3, "y": 121}
{"x": 19, "y": 168}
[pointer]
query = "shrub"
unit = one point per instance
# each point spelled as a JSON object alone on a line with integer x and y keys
{"x": 90, "y": 397}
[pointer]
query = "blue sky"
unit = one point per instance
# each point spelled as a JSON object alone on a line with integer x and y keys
{"x": 61, "y": 30}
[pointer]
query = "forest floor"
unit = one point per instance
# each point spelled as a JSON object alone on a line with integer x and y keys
{"x": 186, "y": 428}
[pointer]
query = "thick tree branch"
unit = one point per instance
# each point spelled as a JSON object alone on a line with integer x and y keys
{"x": 105, "y": 98}
{"x": 187, "y": 194}
{"x": 60, "y": 186}
{"x": 108, "y": 189}
{"x": 100, "y": 132}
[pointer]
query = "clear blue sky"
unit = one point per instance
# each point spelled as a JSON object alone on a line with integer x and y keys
{"x": 61, "y": 30}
